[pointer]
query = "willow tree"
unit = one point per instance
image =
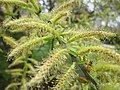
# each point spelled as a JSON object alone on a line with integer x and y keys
{"x": 45, "y": 53}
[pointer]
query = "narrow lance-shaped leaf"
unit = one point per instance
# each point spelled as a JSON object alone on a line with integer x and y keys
{"x": 1, "y": 50}
{"x": 14, "y": 70}
{"x": 16, "y": 62}
{"x": 10, "y": 40}
{"x": 33, "y": 61}
{"x": 23, "y": 84}
{"x": 12, "y": 85}
{"x": 30, "y": 67}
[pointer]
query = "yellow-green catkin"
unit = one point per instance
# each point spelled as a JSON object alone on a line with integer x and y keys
{"x": 66, "y": 78}
{"x": 16, "y": 2}
{"x": 55, "y": 59}
{"x": 89, "y": 34}
{"x": 65, "y": 6}
{"x": 20, "y": 20}
{"x": 59, "y": 16}
{"x": 107, "y": 67}
{"x": 36, "y": 5}
{"x": 29, "y": 24}
{"x": 29, "y": 44}
{"x": 106, "y": 51}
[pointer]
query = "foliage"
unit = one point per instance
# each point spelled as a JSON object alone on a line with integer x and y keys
{"x": 44, "y": 52}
